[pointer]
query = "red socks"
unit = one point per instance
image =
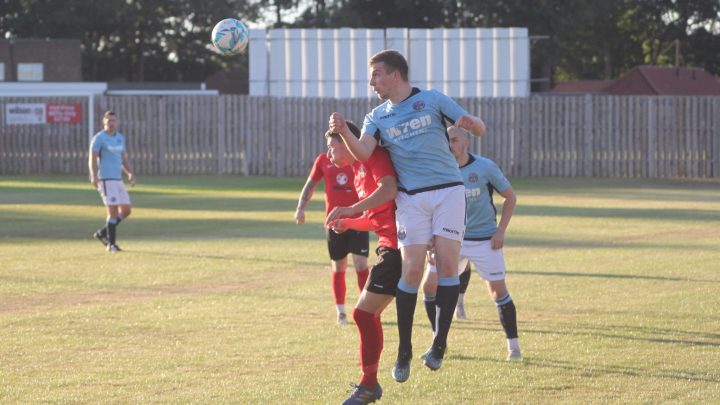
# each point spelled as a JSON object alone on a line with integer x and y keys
{"x": 370, "y": 345}
{"x": 338, "y": 280}
{"x": 362, "y": 278}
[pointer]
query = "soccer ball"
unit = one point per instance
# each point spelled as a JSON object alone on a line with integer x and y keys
{"x": 230, "y": 36}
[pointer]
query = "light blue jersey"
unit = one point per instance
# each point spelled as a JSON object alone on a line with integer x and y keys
{"x": 481, "y": 177}
{"x": 413, "y": 131}
{"x": 111, "y": 149}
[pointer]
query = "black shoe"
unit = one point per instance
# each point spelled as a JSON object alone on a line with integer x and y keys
{"x": 361, "y": 395}
{"x": 102, "y": 238}
{"x": 113, "y": 248}
{"x": 434, "y": 359}
{"x": 401, "y": 369}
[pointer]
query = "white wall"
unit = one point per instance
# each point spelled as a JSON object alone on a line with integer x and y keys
{"x": 461, "y": 62}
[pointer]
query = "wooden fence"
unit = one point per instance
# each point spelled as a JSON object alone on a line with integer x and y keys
{"x": 599, "y": 136}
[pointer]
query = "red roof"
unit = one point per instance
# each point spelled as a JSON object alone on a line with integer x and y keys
{"x": 655, "y": 80}
{"x": 649, "y": 80}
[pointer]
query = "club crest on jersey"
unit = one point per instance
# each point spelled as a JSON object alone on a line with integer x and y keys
{"x": 341, "y": 179}
{"x": 473, "y": 178}
{"x": 419, "y": 105}
{"x": 401, "y": 234}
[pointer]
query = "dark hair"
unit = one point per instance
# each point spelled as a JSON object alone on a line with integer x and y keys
{"x": 109, "y": 113}
{"x": 393, "y": 61}
{"x": 351, "y": 125}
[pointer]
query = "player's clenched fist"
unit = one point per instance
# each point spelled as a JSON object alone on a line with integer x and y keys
{"x": 337, "y": 123}
{"x": 465, "y": 122}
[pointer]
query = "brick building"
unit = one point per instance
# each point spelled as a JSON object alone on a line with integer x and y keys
{"x": 40, "y": 60}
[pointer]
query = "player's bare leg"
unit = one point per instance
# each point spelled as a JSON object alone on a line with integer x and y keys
{"x": 361, "y": 269}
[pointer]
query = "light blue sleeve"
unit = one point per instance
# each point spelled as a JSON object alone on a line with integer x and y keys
{"x": 369, "y": 126}
{"x": 498, "y": 179}
{"x": 95, "y": 144}
{"x": 448, "y": 106}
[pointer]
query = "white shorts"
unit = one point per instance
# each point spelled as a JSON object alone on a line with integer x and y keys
{"x": 489, "y": 263}
{"x": 437, "y": 212}
{"x": 113, "y": 192}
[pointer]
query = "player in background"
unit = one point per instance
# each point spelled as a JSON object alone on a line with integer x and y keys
{"x": 464, "y": 283}
{"x": 339, "y": 191}
{"x": 411, "y": 125}
{"x": 484, "y": 236}
{"x": 108, "y": 159}
{"x": 376, "y": 186}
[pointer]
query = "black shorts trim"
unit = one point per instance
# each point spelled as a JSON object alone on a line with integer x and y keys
{"x": 350, "y": 241}
{"x": 385, "y": 273}
{"x": 431, "y": 188}
{"x": 478, "y": 239}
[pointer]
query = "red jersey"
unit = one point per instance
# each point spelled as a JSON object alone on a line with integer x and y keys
{"x": 339, "y": 191}
{"x": 367, "y": 175}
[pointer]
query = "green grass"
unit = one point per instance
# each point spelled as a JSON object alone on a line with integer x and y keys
{"x": 221, "y": 298}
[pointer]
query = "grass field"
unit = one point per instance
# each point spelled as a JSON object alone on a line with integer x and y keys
{"x": 220, "y": 298}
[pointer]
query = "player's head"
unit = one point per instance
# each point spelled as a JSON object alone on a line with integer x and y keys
{"x": 337, "y": 152}
{"x": 459, "y": 142}
{"x": 109, "y": 121}
{"x": 388, "y": 68}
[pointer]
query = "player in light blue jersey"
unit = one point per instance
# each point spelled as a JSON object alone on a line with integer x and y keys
{"x": 108, "y": 159}
{"x": 484, "y": 237}
{"x": 411, "y": 124}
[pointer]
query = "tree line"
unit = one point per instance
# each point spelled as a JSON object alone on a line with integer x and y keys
{"x": 168, "y": 40}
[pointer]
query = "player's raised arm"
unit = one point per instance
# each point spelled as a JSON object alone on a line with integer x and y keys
{"x": 472, "y": 124}
{"x": 361, "y": 148}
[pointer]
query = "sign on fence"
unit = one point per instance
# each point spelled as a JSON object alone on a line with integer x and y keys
{"x": 26, "y": 113}
{"x": 64, "y": 113}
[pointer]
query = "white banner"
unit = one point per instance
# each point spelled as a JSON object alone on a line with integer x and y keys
{"x": 16, "y": 114}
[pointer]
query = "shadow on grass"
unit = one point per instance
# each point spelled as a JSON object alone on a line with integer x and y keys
{"x": 663, "y": 214}
{"x": 595, "y": 369}
{"x": 611, "y": 276}
{"x": 236, "y": 258}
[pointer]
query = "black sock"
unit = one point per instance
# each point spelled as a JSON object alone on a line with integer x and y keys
{"x": 430, "y": 309}
{"x": 104, "y": 231}
{"x": 465, "y": 280}
{"x": 506, "y": 313}
{"x": 446, "y": 301}
{"x": 111, "y": 225}
{"x": 405, "y": 304}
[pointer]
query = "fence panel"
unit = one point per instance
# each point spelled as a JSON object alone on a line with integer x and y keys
{"x": 628, "y": 136}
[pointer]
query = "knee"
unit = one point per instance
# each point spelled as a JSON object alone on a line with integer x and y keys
{"x": 412, "y": 278}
